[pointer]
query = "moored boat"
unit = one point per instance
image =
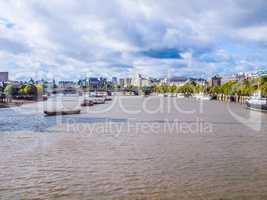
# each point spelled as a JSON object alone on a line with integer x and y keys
{"x": 87, "y": 102}
{"x": 180, "y": 96}
{"x": 99, "y": 100}
{"x": 202, "y": 96}
{"x": 63, "y": 112}
{"x": 257, "y": 102}
{"x": 108, "y": 99}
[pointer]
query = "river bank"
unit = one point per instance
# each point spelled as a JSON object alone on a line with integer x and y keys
{"x": 15, "y": 103}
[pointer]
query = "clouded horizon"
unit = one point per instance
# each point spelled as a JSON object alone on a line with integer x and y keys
{"x": 72, "y": 39}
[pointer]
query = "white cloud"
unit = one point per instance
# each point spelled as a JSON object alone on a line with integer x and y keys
{"x": 74, "y": 38}
{"x": 258, "y": 33}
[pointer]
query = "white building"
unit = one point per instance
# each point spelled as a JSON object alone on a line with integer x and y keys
{"x": 139, "y": 81}
{"x": 178, "y": 81}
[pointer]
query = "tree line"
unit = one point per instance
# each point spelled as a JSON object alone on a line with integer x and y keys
{"x": 242, "y": 88}
{"x": 231, "y": 87}
{"x": 23, "y": 90}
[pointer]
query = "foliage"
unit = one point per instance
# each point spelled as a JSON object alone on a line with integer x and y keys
{"x": 228, "y": 87}
{"x": 162, "y": 88}
{"x": 186, "y": 89}
{"x": 10, "y": 90}
{"x": 262, "y": 80}
{"x": 21, "y": 89}
{"x": 199, "y": 88}
{"x": 244, "y": 88}
{"x": 173, "y": 89}
{"x": 215, "y": 90}
{"x": 40, "y": 89}
{"x": 30, "y": 89}
{"x": 264, "y": 89}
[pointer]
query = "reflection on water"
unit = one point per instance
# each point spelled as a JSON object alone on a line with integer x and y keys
{"x": 42, "y": 159}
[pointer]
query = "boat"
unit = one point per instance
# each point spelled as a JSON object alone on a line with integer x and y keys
{"x": 99, "y": 100}
{"x": 63, "y": 112}
{"x": 180, "y": 96}
{"x": 108, "y": 99}
{"x": 202, "y": 96}
{"x": 87, "y": 102}
{"x": 257, "y": 102}
{"x": 187, "y": 95}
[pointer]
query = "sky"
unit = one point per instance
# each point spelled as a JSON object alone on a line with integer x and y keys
{"x": 73, "y": 39}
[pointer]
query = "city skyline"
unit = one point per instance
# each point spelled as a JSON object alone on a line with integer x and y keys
{"x": 74, "y": 39}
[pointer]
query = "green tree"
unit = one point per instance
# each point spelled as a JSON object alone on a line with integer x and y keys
{"x": 227, "y": 88}
{"x": 10, "y": 90}
{"x": 198, "y": 88}
{"x": 22, "y": 89}
{"x": 246, "y": 88}
{"x": 30, "y": 89}
{"x": 264, "y": 89}
{"x": 40, "y": 89}
{"x": 186, "y": 89}
{"x": 216, "y": 90}
{"x": 162, "y": 88}
{"x": 263, "y": 79}
{"x": 173, "y": 88}
{"x": 165, "y": 88}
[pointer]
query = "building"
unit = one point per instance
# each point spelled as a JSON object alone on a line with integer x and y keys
{"x": 114, "y": 80}
{"x": 240, "y": 76}
{"x": 93, "y": 83}
{"x": 199, "y": 81}
{"x": 216, "y": 81}
{"x": 154, "y": 81}
{"x": 128, "y": 82}
{"x": 103, "y": 82}
{"x": 3, "y": 76}
{"x": 121, "y": 82}
{"x": 178, "y": 81}
{"x": 66, "y": 84}
{"x": 139, "y": 81}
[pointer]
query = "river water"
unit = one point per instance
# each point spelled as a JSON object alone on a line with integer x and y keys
{"x": 134, "y": 148}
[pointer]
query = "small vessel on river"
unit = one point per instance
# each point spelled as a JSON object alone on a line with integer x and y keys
{"x": 63, "y": 112}
{"x": 257, "y": 102}
{"x": 99, "y": 100}
{"x": 87, "y": 102}
{"x": 202, "y": 96}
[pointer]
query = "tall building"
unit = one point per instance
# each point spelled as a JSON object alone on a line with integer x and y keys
{"x": 121, "y": 82}
{"x": 93, "y": 83}
{"x": 66, "y": 84}
{"x": 114, "y": 80}
{"x": 102, "y": 82}
{"x": 216, "y": 81}
{"x": 128, "y": 82}
{"x": 3, "y": 76}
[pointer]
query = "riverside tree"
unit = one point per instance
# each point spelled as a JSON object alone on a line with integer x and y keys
{"x": 10, "y": 91}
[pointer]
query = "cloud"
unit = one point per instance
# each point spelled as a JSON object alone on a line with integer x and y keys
{"x": 71, "y": 39}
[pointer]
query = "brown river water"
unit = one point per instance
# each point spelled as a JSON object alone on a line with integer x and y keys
{"x": 134, "y": 148}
